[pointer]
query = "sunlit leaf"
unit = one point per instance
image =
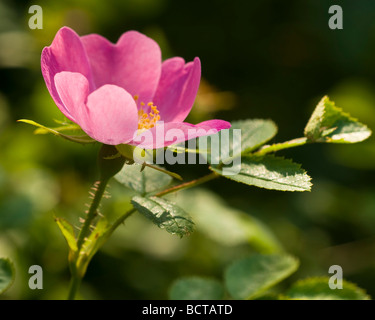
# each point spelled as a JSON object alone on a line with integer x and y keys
{"x": 250, "y": 277}
{"x": 196, "y": 288}
{"x": 254, "y": 132}
{"x": 92, "y": 243}
{"x": 270, "y": 172}
{"x": 96, "y": 238}
{"x": 165, "y": 214}
{"x": 68, "y": 232}
{"x": 318, "y": 289}
{"x": 7, "y": 274}
{"x": 329, "y": 123}
{"x": 145, "y": 181}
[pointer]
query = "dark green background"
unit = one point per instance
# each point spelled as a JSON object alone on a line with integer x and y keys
{"x": 274, "y": 59}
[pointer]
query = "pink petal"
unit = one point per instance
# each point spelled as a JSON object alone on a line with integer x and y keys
{"x": 108, "y": 115}
{"x": 134, "y": 63}
{"x": 113, "y": 115}
{"x": 177, "y": 88}
{"x": 66, "y": 53}
{"x": 72, "y": 89}
{"x": 165, "y": 134}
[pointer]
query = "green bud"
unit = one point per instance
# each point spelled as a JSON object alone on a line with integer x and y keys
{"x": 110, "y": 162}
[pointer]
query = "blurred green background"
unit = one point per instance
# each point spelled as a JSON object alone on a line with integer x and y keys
{"x": 260, "y": 59}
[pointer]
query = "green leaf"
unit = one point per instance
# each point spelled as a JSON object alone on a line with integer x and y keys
{"x": 270, "y": 172}
{"x": 318, "y": 289}
{"x": 225, "y": 225}
{"x": 68, "y": 232}
{"x": 329, "y": 123}
{"x": 165, "y": 214}
{"x": 145, "y": 181}
{"x": 96, "y": 238}
{"x": 92, "y": 244}
{"x": 196, "y": 288}
{"x": 7, "y": 274}
{"x": 83, "y": 138}
{"x": 254, "y": 133}
{"x": 250, "y": 277}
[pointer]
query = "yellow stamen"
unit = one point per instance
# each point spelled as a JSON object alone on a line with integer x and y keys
{"x": 148, "y": 120}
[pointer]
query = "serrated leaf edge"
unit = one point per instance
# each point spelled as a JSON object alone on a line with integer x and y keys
{"x": 161, "y": 226}
{"x": 304, "y": 172}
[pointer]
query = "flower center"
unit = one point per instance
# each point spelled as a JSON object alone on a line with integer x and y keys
{"x": 147, "y": 120}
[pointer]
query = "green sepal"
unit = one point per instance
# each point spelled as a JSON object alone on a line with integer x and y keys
{"x": 82, "y": 139}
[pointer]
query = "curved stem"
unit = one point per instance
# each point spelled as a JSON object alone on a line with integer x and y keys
{"x": 119, "y": 221}
{"x": 189, "y": 184}
{"x": 280, "y": 146}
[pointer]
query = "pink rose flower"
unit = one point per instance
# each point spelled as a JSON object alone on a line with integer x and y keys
{"x": 120, "y": 93}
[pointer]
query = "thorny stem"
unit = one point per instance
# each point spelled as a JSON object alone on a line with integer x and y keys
{"x": 92, "y": 213}
{"x": 76, "y": 274}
